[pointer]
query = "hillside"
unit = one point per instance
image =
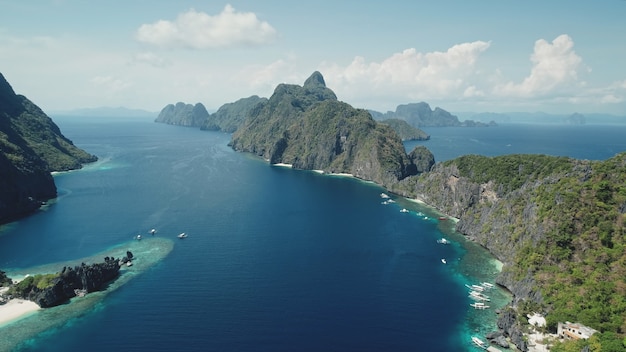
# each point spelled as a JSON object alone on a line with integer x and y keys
{"x": 182, "y": 114}
{"x": 556, "y": 223}
{"x": 307, "y": 127}
{"x": 31, "y": 146}
{"x": 231, "y": 115}
{"x": 406, "y": 131}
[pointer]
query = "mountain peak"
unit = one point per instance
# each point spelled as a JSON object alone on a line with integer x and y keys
{"x": 315, "y": 80}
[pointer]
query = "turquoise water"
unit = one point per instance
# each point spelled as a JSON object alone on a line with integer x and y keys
{"x": 276, "y": 259}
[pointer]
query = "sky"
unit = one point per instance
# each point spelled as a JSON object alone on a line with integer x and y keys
{"x": 556, "y": 56}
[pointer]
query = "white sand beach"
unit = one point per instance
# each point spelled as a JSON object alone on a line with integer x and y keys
{"x": 15, "y": 309}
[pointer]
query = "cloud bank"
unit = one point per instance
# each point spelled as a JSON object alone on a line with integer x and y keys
{"x": 198, "y": 30}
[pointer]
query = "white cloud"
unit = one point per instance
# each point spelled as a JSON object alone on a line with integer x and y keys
{"x": 151, "y": 59}
{"x": 409, "y": 74}
{"x": 198, "y": 30}
{"x": 555, "y": 70}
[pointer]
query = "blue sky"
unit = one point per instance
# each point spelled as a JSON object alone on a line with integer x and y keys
{"x": 481, "y": 55}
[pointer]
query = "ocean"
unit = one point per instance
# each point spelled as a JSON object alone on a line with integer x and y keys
{"x": 275, "y": 259}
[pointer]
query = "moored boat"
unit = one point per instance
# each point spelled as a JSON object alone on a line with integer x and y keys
{"x": 478, "y": 342}
{"x": 182, "y": 235}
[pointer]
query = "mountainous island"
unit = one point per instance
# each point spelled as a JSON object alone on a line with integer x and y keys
{"x": 557, "y": 224}
{"x": 31, "y": 147}
{"x": 421, "y": 115}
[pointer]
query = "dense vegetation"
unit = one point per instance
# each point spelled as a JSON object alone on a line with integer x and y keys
{"x": 406, "y": 131}
{"x": 39, "y": 281}
{"x": 31, "y": 146}
{"x": 307, "y": 127}
{"x": 558, "y": 225}
{"x": 231, "y": 115}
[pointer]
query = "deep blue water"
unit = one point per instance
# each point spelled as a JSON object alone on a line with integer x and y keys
{"x": 593, "y": 142}
{"x": 276, "y": 259}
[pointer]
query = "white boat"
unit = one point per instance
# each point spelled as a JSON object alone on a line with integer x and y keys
{"x": 443, "y": 260}
{"x": 475, "y": 288}
{"x": 443, "y": 241}
{"x": 478, "y": 296}
{"x": 404, "y": 210}
{"x": 384, "y": 196}
{"x": 153, "y": 231}
{"x": 480, "y": 343}
{"x": 138, "y": 237}
{"x": 479, "y": 305}
{"x": 182, "y": 235}
{"x": 487, "y": 285}
{"x": 129, "y": 263}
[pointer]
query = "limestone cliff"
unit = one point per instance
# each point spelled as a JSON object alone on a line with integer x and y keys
{"x": 231, "y": 115}
{"x": 182, "y": 114}
{"x": 556, "y": 223}
{"x": 307, "y": 127}
{"x": 31, "y": 146}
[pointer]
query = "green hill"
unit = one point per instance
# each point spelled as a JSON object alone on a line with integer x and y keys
{"x": 307, "y": 127}
{"x": 31, "y": 146}
{"x": 557, "y": 224}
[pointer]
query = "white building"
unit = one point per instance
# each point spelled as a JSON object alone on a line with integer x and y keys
{"x": 574, "y": 331}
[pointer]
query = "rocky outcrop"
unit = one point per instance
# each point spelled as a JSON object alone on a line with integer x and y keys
{"x": 231, "y": 115}
{"x": 182, "y": 114}
{"x": 310, "y": 129}
{"x": 31, "y": 146}
{"x": 511, "y": 328}
{"x": 72, "y": 280}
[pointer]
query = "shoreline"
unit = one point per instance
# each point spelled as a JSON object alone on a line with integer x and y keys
{"x": 16, "y": 309}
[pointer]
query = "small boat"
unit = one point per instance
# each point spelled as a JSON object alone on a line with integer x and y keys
{"x": 480, "y": 343}
{"x": 479, "y": 305}
{"x": 487, "y": 285}
{"x": 138, "y": 237}
{"x": 443, "y": 241}
{"x": 478, "y": 296}
{"x": 475, "y": 287}
{"x": 443, "y": 218}
{"x": 129, "y": 263}
{"x": 153, "y": 231}
{"x": 384, "y": 196}
{"x": 182, "y": 235}
{"x": 403, "y": 210}
{"x": 443, "y": 260}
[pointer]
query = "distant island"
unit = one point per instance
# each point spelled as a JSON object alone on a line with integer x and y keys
{"x": 421, "y": 115}
{"x": 545, "y": 118}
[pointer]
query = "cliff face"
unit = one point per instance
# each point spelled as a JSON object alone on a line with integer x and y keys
{"x": 557, "y": 224}
{"x": 182, "y": 114}
{"x": 231, "y": 115}
{"x": 309, "y": 128}
{"x": 31, "y": 146}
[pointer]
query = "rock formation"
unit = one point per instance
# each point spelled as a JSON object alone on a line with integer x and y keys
{"x": 31, "y": 146}
{"x": 182, "y": 114}
{"x": 307, "y": 127}
{"x": 231, "y": 115}
{"x": 421, "y": 115}
{"x": 82, "y": 279}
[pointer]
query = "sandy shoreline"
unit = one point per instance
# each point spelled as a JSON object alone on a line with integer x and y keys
{"x": 15, "y": 309}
